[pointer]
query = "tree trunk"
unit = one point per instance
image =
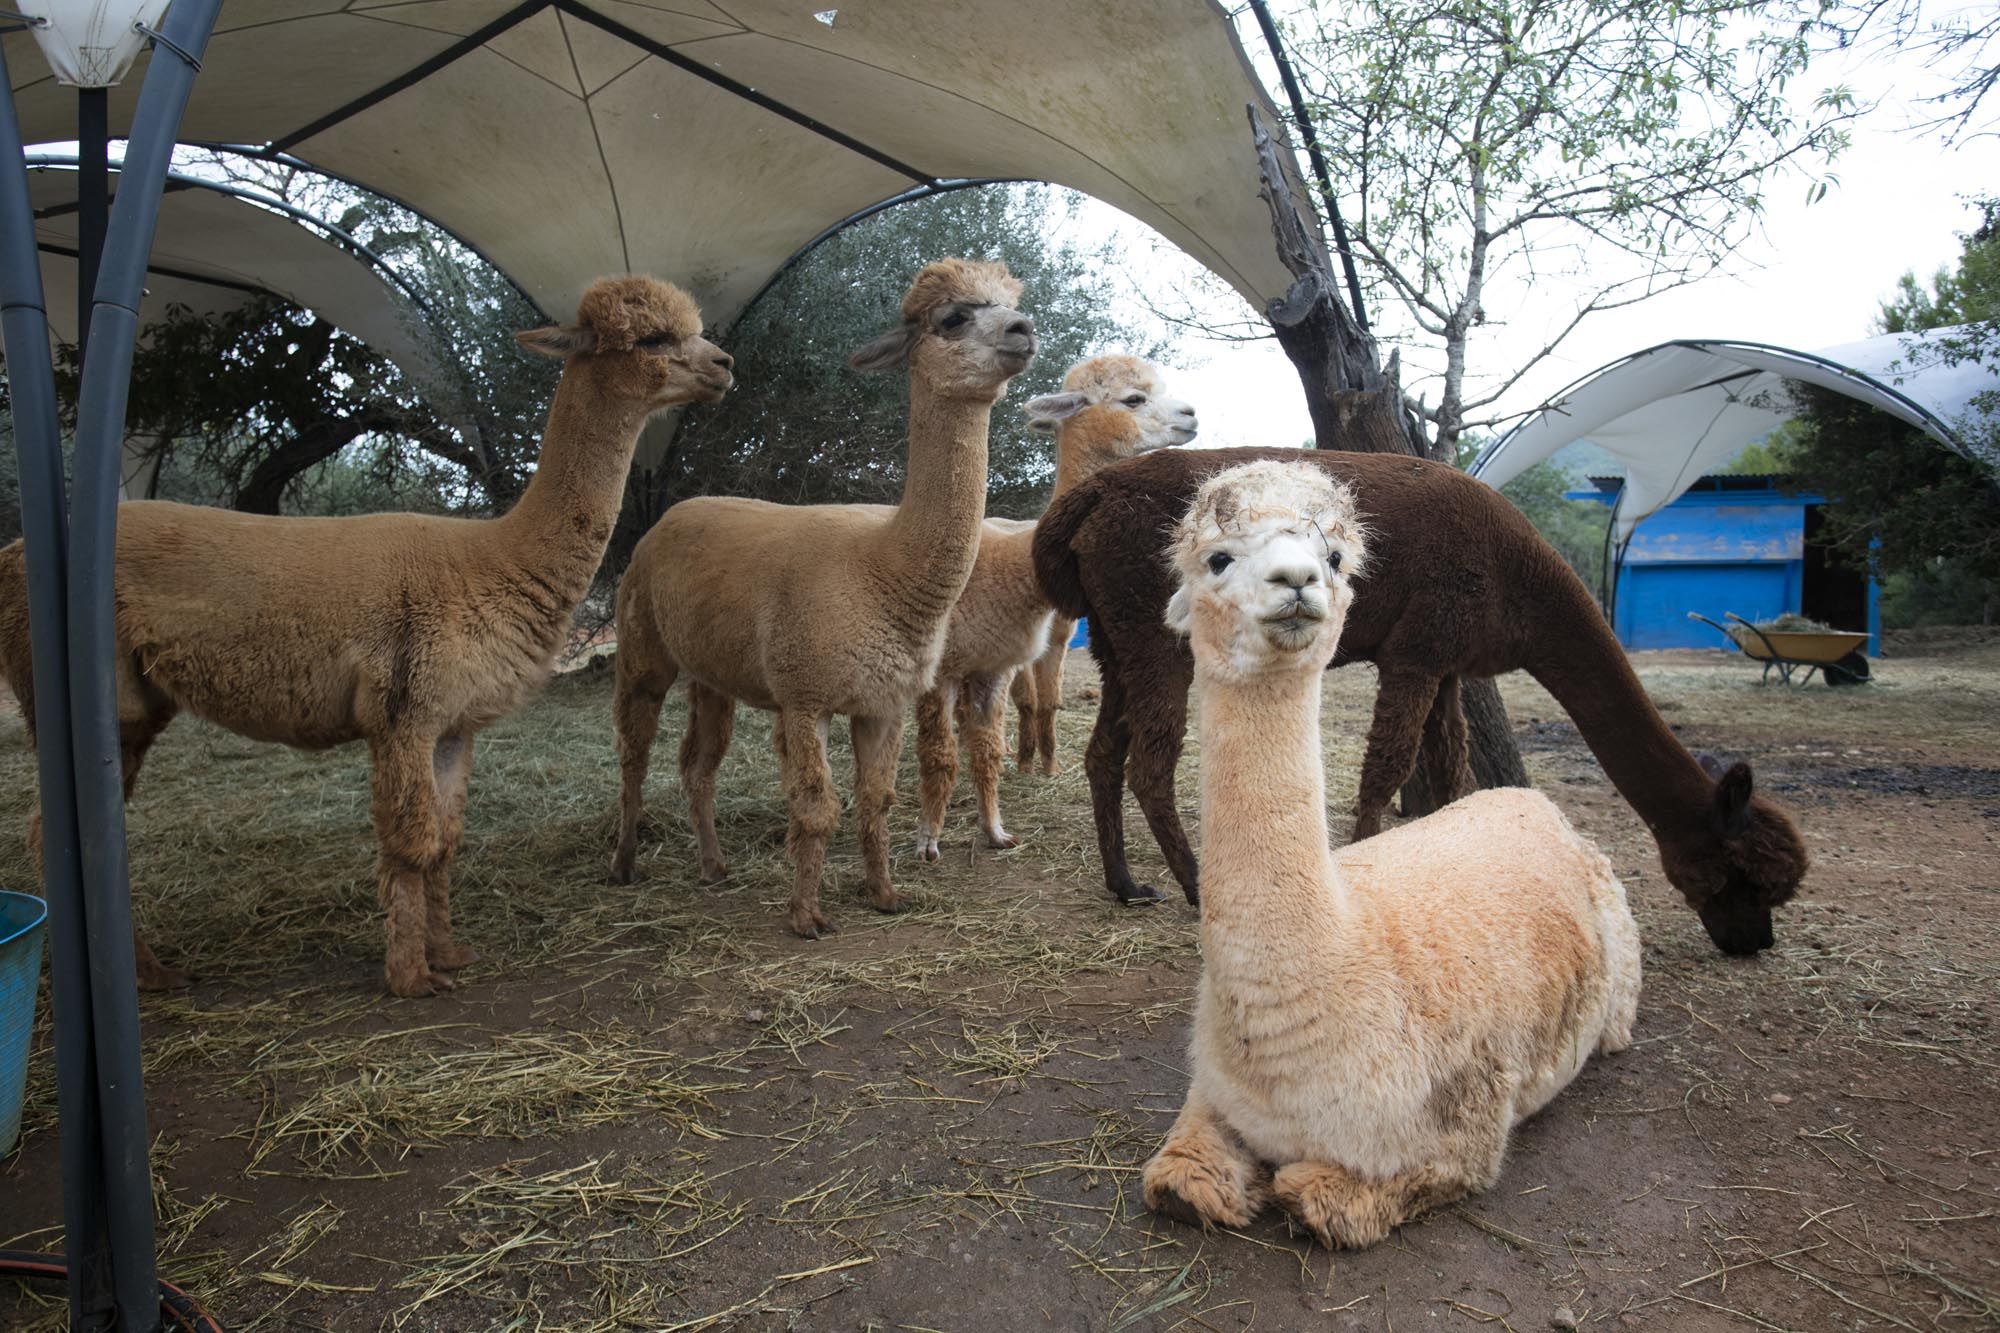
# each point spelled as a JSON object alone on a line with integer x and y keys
{"x": 1357, "y": 405}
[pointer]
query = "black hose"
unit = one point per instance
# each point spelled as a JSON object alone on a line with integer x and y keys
{"x": 179, "y": 1312}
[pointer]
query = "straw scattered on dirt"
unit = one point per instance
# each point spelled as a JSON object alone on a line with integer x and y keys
{"x": 651, "y": 1107}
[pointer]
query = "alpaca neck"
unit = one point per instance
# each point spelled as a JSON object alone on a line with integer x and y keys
{"x": 1593, "y": 680}
{"x": 1269, "y": 886}
{"x": 933, "y": 537}
{"x": 1082, "y": 452}
{"x": 563, "y": 521}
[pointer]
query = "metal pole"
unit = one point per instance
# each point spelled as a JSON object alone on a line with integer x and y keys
{"x": 93, "y": 197}
{"x": 37, "y": 444}
{"x": 93, "y": 648}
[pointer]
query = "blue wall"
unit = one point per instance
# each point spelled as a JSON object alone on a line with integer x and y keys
{"x": 1727, "y": 544}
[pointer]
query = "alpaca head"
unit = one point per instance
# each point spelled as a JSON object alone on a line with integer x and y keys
{"x": 1266, "y": 558}
{"x": 1111, "y": 407}
{"x": 960, "y": 335}
{"x": 643, "y": 336}
{"x": 1748, "y": 860}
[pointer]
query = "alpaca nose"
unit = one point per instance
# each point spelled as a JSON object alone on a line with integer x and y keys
{"x": 725, "y": 360}
{"x": 1294, "y": 576}
{"x": 1022, "y": 325}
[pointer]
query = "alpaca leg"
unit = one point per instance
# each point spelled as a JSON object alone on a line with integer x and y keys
{"x": 451, "y": 774}
{"x": 1202, "y": 1174}
{"x": 878, "y": 741}
{"x": 1104, "y": 766}
{"x": 986, "y": 743}
{"x": 136, "y": 736}
{"x": 814, "y": 812}
{"x": 1048, "y": 671}
{"x": 1022, "y": 692}
{"x": 407, "y": 839}
{"x": 1340, "y": 1208}
{"x": 1445, "y": 748}
{"x": 1402, "y": 702}
{"x": 636, "y": 697}
{"x": 1159, "y": 726}
{"x": 937, "y": 763}
{"x": 711, "y": 723}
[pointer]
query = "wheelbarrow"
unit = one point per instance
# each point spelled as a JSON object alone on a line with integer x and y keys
{"x": 1835, "y": 654}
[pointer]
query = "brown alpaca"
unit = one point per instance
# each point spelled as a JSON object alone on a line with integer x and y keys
{"x": 1372, "y": 1024}
{"x": 1111, "y": 407}
{"x": 1459, "y": 584}
{"x": 409, "y": 631}
{"x": 817, "y": 610}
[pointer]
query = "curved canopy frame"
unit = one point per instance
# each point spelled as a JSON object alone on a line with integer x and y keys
{"x": 1673, "y": 412}
{"x": 712, "y": 141}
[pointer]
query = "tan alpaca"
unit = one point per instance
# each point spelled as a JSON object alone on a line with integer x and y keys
{"x": 409, "y": 631}
{"x": 1110, "y": 407}
{"x": 1372, "y": 1025}
{"x": 817, "y": 610}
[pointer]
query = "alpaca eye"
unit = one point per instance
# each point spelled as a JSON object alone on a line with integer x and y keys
{"x": 954, "y": 320}
{"x": 1219, "y": 562}
{"x": 1135, "y": 400}
{"x": 656, "y": 340}
{"x": 1333, "y": 561}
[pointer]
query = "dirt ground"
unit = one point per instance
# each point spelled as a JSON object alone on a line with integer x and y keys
{"x": 652, "y": 1107}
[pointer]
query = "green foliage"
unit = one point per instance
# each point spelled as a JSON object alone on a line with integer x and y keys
{"x": 1924, "y": 516}
{"x": 1489, "y": 140}
{"x": 1574, "y": 527}
{"x": 1760, "y": 458}
{"x": 801, "y": 427}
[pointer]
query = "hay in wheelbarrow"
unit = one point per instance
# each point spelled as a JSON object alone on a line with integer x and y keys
{"x": 1793, "y": 644}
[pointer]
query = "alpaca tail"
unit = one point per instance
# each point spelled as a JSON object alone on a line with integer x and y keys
{"x": 1055, "y": 562}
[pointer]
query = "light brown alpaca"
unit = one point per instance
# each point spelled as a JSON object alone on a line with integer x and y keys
{"x": 1371, "y": 1025}
{"x": 817, "y": 610}
{"x": 409, "y": 631}
{"x": 1110, "y": 407}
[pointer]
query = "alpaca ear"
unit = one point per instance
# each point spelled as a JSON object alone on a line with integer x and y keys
{"x": 887, "y": 352}
{"x": 1710, "y": 765}
{"x": 1044, "y": 412}
{"x": 1732, "y": 801}
{"x": 1180, "y": 611}
{"x": 557, "y": 341}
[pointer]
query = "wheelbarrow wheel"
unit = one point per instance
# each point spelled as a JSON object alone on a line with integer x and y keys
{"x": 1849, "y": 670}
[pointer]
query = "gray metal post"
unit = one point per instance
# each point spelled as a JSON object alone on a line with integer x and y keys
{"x": 93, "y": 196}
{"x": 93, "y": 647}
{"x": 44, "y": 523}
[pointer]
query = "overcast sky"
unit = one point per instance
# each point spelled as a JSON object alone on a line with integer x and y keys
{"x": 1812, "y": 277}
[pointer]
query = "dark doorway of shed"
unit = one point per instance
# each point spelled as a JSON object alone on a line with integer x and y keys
{"x": 1830, "y": 592}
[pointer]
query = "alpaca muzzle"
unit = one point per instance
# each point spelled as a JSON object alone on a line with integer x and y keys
{"x": 1737, "y": 923}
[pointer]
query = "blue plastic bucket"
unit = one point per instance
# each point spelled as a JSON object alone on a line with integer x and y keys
{"x": 21, "y": 918}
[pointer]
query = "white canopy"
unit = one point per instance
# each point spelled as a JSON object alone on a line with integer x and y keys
{"x": 1672, "y": 412}
{"x": 710, "y": 142}
{"x": 213, "y": 251}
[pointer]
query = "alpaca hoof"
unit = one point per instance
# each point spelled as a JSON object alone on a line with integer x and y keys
{"x": 1340, "y": 1211}
{"x": 889, "y": 902}
{"x": 154, "y": 976}
{"x": 451, "y": 957}
{"x": 1050, "y": 768}
{"x": 1001, "y": 839}
{"x": 1202, "y": 1188}
{"x": 810, "y": 923}
{"x": 1138, "y": 895}
{"x": 927, "y": 847}
{"x": 622, "y": 870}
{"x": 420, "y": 984}
{"x": 714, "y": 872}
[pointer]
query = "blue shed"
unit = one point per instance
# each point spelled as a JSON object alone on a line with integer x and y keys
{"x": 1731, "y": 543}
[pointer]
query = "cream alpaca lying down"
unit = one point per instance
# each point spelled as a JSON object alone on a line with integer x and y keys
{"x": 1370, "y": 1024}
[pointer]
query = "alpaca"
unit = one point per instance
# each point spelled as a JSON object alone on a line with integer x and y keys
{"x": 409, "y": 631}
{"x": 1460, "y": 585}
{"x": 1371, "y": 1025}
{"x": 813, "y": 610}
{"x": 1110, "y": 407}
